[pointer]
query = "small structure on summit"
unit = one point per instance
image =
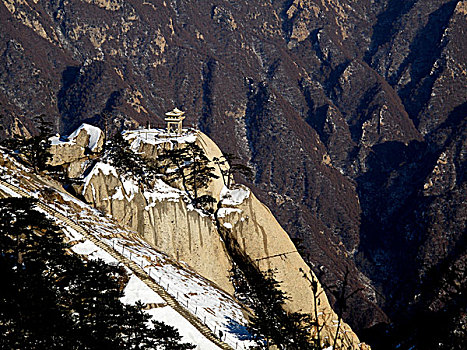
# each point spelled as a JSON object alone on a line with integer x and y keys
{"x": 174, "y": 121}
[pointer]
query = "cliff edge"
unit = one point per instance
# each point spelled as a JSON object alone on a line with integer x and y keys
{"x": 167, "y": 220}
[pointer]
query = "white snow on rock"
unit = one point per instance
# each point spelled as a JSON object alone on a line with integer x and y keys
{"x": 9, "y": 191}
{"x": 235, "y": 196}
{"x": 161, "y": 192}
{"x": 128, "y": 191}
{"x": 92, "y": 251}
{"x": 55, "y": 140}
{"x": 68, "y": 198}
{"x": 223, "y": 212}
{"x": 118, "y": 194}
{"x": 72, "y": 234}
{"x": 190, "y": 334}
{"x": 94, "y": 135}
{"x": 105, "y": 168}
{"x": 131, "y": 187}
{"x": 156, "y": 136}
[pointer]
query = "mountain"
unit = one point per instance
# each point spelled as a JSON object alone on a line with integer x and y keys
{"x": 169, "y": 245}
{"x": 352, "y": 114}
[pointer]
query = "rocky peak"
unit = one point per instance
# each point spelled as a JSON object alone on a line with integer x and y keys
{"x": 165, "y": 219}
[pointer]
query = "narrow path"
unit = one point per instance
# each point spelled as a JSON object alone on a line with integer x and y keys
{"x": 137, "y": 270}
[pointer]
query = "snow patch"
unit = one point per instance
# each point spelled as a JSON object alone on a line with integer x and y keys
{"x": 92, "y": 251}
{"x": 72, "y": 234}
{"x": 94, "y": 135}
{"x": 118, "y": 194}
{"x": 105, "y": 168}
{"x": 156, "y": 137}
{"x": 56, "y": 140}
{"x": 136, "y": 290}
{"x": 223, "y": 212}
{"x": 235, "y": 196}
{"x": 67, "y": 198}
{"x": 161, "y": 192}
{"x": 130, "y": 188}
{"x": 9, "y": 192}
{"x": 187, "y": 331}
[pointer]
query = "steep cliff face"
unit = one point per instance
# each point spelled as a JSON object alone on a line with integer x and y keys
{"x": 163, "y": 218}
{"x": 169, "y": 223}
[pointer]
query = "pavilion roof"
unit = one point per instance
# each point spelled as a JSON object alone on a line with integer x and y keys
{"x": 175, "y": 113}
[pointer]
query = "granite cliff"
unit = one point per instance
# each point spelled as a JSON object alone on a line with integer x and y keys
{"x": 165, "y": 219}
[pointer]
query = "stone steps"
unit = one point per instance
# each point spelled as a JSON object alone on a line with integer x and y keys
{"x": 136, "y": 269}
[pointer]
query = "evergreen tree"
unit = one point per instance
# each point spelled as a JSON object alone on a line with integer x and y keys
{"x": 123, "y": 158}
{"x": 270, "y": 323}
{"x": 30, "y": 251}
{"x": 36, "y": 149}
{"x": 229, "y": 165}
{"x": 128, "y": 162}
{"x": 315, "y": 324}
{"x": 51, "y": 299}
{"x": 190, "y": 165}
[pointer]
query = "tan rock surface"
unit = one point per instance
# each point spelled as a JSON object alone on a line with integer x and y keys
{"x": 71, "y": 154}
{"x": 166, "y": 221}
{"x": 266, "y": 243}
{"x": 168, "y": 225}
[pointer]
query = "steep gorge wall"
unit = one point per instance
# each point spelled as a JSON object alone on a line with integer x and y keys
{"x": 262, "y": 238}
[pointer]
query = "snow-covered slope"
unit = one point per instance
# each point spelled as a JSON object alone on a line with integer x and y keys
{"x": 213, "y": 307}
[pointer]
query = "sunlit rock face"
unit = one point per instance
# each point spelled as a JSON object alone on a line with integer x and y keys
{"x": 73, "y": 152}
{"x": 164, "y": 217}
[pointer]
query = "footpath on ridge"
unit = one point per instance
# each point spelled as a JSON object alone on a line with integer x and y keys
{"x": 137, "y": 270}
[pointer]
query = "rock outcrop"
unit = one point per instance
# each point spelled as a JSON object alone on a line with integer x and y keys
{"x": 166, "y": 220}
{"x": 72, "y": 152}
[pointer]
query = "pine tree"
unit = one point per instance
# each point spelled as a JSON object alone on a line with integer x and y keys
{"x": 229, "y": 165}
{"x": 130, "y": 163}
{"x": 259, "y": 290}
{"x": 51, "y": 299}
{"x": 30, "y": 248}
{"x": 190, "y": 165}
{"x": 36, "y": 149}
{"x": 123, "y": 158}
{"x": 270, "y": 324}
